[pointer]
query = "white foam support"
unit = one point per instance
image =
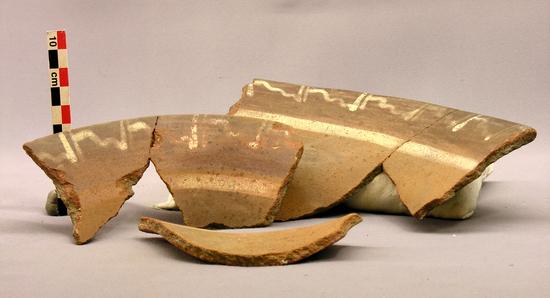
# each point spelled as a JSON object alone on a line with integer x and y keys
{"x": 380, "y": 196}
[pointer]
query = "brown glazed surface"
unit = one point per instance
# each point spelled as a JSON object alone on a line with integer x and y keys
{"x": 349, "y": 137}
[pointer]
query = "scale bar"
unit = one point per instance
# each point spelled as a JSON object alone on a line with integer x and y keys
{"x": 59, "y": 81}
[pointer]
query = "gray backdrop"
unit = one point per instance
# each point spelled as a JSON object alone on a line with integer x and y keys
{"x": 140, "y": 58}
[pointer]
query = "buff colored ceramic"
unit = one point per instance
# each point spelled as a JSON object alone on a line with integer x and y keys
{"x": 94, "y": 168}
{"x": 380, "y": 196}
{"x": 252, "y": 249}
{"x": 428, "y": 151}
{"x": 222, "y": 170}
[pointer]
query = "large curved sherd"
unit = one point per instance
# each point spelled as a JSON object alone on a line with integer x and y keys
{"x": 225, "y": 170}
{"x": 94, "y": 168}
{"x": 349, "y": 138}
{"x": 252, "y": 249}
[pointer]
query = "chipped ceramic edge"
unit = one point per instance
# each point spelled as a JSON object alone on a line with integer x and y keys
{"x": 65, "y": 190}
{"x": 477, "y": 168}
{"x": 505, "y": 147}
{"x": 380, "y": 196}
{"x": 281, "y": 187}
{"x": 336, "y": 230}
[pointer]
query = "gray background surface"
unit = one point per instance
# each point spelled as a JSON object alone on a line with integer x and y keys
{"x": 140, "y": 58}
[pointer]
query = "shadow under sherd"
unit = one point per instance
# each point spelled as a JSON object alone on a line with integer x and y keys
{"x": 167, "y": 250}
{"x": 337, "y": 253}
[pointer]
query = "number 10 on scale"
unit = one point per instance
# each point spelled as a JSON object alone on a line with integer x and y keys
{"x": 59, "y": 81}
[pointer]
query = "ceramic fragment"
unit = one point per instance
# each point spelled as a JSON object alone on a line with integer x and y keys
{"x": 380, "y": 196}
{"x": 224, "y": 170}
{"x": 94, "y": 168}
{"x": 429, "y": 151}
{"x": 252, "y": 249}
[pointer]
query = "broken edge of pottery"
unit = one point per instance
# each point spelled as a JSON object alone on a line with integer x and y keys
{"x": 225, "y": 171}
{"x": 252, "y": 249}
{"x": 380, "y": 196}
{"x": 201, "y": 157}
{"x": 94, "y": 168}
{"x": 428, "y": 151}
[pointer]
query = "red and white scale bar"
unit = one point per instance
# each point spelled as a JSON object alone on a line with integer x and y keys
{"x": 59, "y": 81}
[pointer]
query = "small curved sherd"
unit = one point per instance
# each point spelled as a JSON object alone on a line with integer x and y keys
{"x": 225, "y": 170}
{"x": 428, "y": 151}
{"x": 252, "y": 249}
{"x": 94, "y": 168}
